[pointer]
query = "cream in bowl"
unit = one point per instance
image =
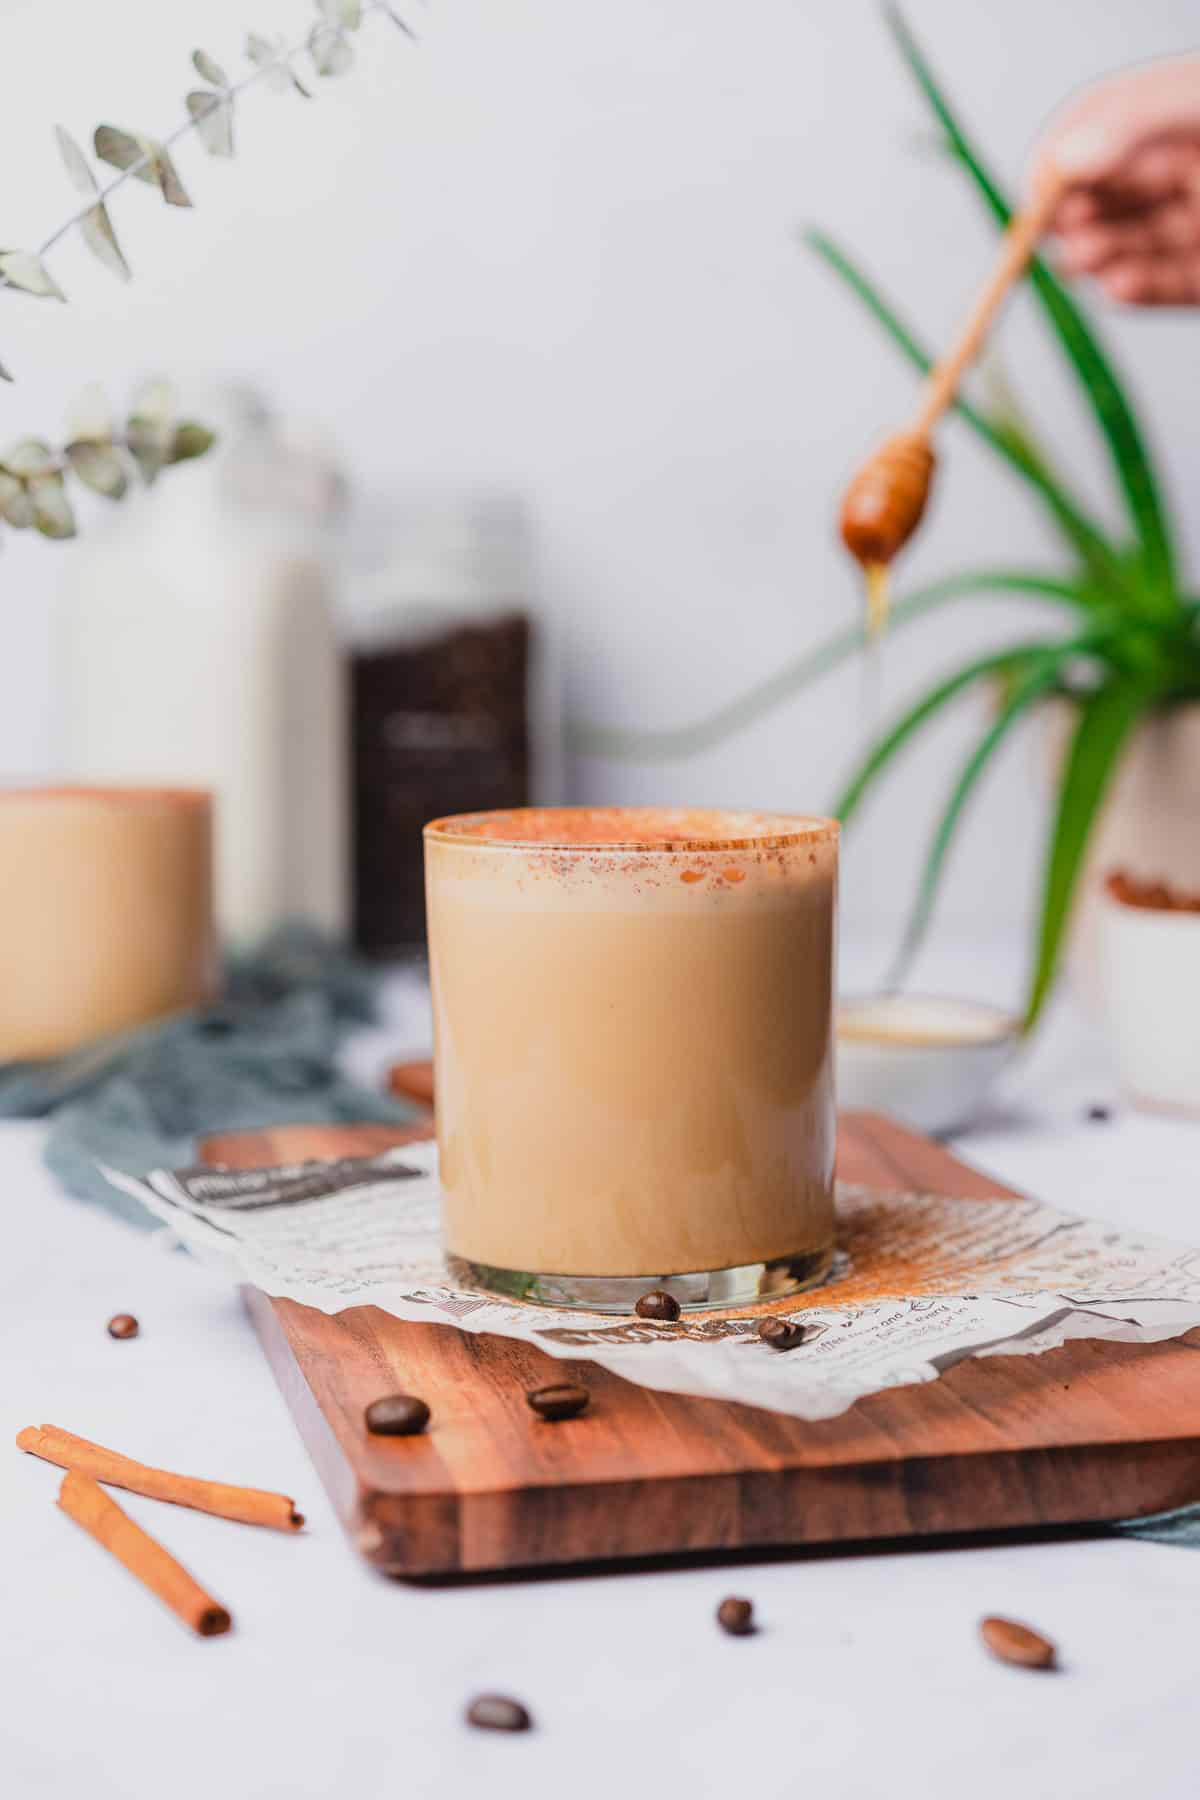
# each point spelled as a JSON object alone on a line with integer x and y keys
{"x": 924, "y": 1060}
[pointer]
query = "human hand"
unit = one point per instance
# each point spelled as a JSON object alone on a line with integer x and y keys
{"x": 1129, "y": 152}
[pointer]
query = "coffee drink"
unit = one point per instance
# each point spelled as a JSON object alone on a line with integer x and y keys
{"x": 633, "y": 1040}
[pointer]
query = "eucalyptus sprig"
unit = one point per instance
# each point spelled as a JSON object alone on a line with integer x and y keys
{"x": 210, "y": 112}
{"x": 98, "y": 453}
{"x": 32, "y": 472}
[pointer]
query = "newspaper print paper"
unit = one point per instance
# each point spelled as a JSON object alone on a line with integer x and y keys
{"x": 920, "y": 1282}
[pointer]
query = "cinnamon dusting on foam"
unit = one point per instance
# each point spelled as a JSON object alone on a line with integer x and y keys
{"x": 634, "y": 828}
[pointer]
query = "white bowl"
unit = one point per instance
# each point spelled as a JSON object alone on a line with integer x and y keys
{"x": 1150, "y": 974}
{"x": 926, "y": 1061}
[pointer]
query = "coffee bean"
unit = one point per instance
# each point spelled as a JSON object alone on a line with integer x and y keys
{"x": 496, "y": 1712}
{"x": 781, "y": 1334}
{"x": 736, "y": 1616}
{"x": 122, "y": 1325}
{"x": 1099, "y": 1115}
{"x": 558, "y": 1400}
{"x": 1018, "y": 1644}
{"x": 657, "y": 1305}
{"x": 397, "y": 1415}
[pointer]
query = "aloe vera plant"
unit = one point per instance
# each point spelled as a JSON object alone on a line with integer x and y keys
{"x": 1131, "y": 637}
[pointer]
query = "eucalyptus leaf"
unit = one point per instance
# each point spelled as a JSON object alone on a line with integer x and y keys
{"x": 190, "y": 440}
{"x": 271, "y": 56}
{"x": 98, "y": 466}
{"x": 172, "y": 189}
{"x": 16, "y": 506}
{"x": 100, "y": 238}
{"x": 342, "y": 12}
{"x": 265, "y": 52}
{"x": 52, "y": 512}
{"x": 12, "y": 493}
{"x": 205, "y": 66}
{"x": 123, "y": 151}
{"x": 214, "y": 121}
{"x": 28, "y": 456}
{"x": 330, "y": 50}
{"x": 90, "y": 416}
{"x": 76, "y": 162}
{"x": 22, "y": 269}
{"x": 155, "y": 400}
{"x": 143, "y": 158}
{"x": 149, "y": 443}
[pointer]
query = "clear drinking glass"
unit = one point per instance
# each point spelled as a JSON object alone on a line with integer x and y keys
{"x": 633, "y": 1030}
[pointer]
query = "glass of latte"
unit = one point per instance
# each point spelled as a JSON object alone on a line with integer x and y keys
{"x": 633, "y": 1030}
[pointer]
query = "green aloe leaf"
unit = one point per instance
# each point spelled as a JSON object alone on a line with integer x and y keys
{"x": 1115, "y": 416}
{"x": 1106, "y": 719}
{"x": 1041, "y": 674}
{"x": 1085, "y": 538}
{"x": 882, "y": 752}
{"x": 687, "y": 740}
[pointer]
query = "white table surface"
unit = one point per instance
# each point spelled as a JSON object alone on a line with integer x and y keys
{"x": 866, "y": 1680}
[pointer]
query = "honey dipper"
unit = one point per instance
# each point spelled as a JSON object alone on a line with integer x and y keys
{"x": 883, "y": 504}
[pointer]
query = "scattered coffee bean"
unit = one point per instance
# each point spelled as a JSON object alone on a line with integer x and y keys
{"x": 657, "y": 1305}
{"x": 397, "y": 1415}
{"x": 781, "y": 1334}
{"x": 1099, "y": 1115}
{"x": 496, "y": 1712}
{"x": 559, "y": 1400}
{"x": 736, "y": 1616}
{"x": 122, "y": 1325}
{"x": 1014, "y": 1643}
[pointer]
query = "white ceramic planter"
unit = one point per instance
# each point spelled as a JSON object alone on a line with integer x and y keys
{"x": 1149, "y": 825}
{"x": 1150, "y": 987}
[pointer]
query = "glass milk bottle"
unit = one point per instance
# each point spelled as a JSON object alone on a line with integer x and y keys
{"x": 199, "y": 648}
{"x": 453, "y": 699}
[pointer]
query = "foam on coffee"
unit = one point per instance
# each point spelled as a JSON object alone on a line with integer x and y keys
{"x": 630, "y": 827}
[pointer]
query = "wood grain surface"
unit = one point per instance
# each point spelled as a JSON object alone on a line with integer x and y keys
{"x": 1087, "y": 1433}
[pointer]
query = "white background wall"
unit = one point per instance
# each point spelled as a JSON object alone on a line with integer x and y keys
{"x": 555, "y": 247}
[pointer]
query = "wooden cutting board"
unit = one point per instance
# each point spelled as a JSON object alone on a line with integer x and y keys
{"x": 1091, "y": 1432}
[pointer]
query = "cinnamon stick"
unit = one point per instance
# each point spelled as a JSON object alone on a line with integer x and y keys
{"x": 252, "y": 1506}
{"x": 87, "y": 1503}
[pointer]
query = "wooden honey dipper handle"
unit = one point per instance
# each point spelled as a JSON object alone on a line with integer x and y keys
{"x": 1020, "y": 241}
{"x": 884, "y": 502}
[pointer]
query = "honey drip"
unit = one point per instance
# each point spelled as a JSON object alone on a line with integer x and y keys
{"x": 878, "y": 584}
